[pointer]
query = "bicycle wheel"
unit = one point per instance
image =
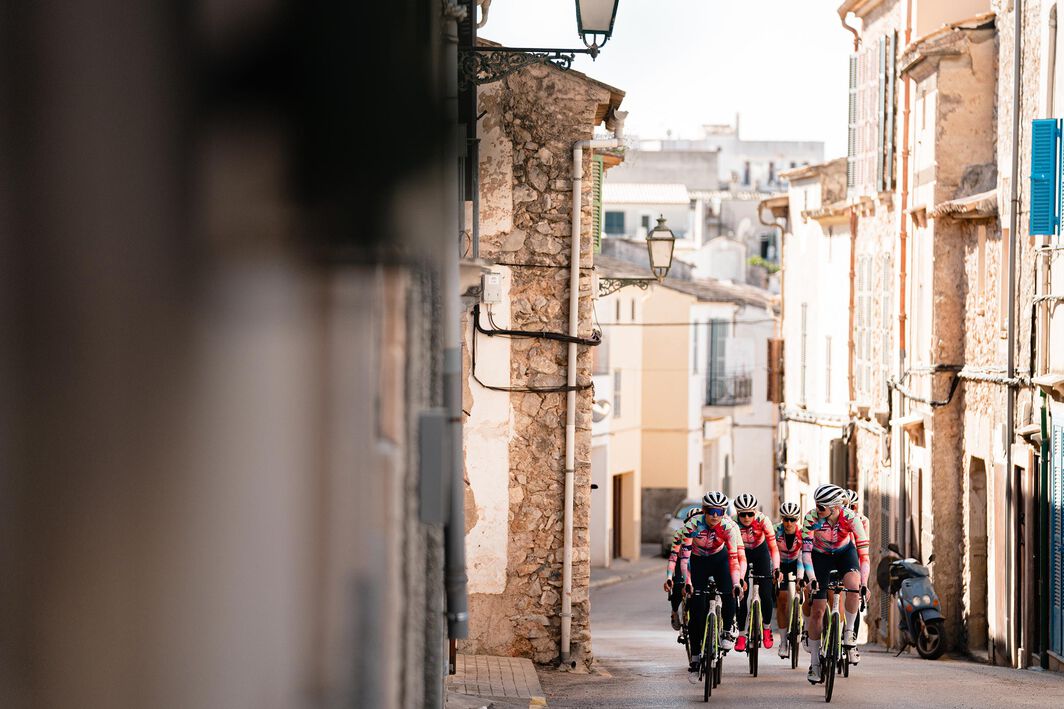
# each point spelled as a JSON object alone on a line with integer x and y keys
{"x": 794, "y": 632}
{"x": 832, "y": 658}
{"x": 707, "y": 679}
{"x": 755, "y": 636}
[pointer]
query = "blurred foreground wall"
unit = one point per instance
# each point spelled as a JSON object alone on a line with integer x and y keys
{"x": 217, "y": 328}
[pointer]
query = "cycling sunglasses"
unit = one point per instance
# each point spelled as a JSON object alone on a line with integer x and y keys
{"x": 746, "y": 514}
{"x": 711, "y": 511}
{"x": 823, "y": 508}
{"x": 790, "y": 519}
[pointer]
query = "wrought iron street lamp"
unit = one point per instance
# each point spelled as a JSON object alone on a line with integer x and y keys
{"x": 594, "y": 19}
{"x": 483, "y": 64}
{"x": 660, "y": 245}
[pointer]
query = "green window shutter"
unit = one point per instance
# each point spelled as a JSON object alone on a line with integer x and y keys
{"x": 596, "y": 201}
{"x": 851, "y": 138}
{"x": 1045, "y": 163}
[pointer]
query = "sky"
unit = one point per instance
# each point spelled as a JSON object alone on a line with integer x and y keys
{"x": 781, "y": 64}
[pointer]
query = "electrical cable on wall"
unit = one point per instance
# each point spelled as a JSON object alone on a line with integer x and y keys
{"x": 531, "y": 334}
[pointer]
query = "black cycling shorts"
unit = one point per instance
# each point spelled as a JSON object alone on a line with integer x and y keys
{"x": 842, "y": 561}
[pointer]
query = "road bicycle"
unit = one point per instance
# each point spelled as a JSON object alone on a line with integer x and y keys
{"x": 755, "y": 623}
{"x": 833, "y": 655}
{"x": 684, "y": 638}
{"x": 794, "y": 619}
{"x": 709, "y": 669}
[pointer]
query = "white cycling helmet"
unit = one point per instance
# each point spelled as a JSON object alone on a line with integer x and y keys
{"x": 851, "y": 498}
{"x": 746, "y": 503}
{"x": 790, "y": 509}
{"x": 715, "y": 499}
{"x": 829, "y": 495}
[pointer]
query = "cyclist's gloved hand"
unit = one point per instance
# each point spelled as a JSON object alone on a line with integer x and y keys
{"x": 688, "y": 589}
{"x": 814, "y": 585}
{"x": 737, "y": 591}
{"x": 668, "y": 585}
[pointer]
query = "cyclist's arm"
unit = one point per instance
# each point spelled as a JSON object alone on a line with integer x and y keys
{"x": 687, "y": 532}
{"x": 860, "y": 535}
{"x": 674, "y": 554}
{"x": 736, "y": 555}
{"x": 801, "y": 557}
{"x": 807, "y": 552}
{"x": 770, "y": 539}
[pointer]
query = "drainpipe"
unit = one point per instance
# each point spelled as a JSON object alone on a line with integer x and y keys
{"x": 850, "y": 343}
{"x": 903, "y": 265}
{"x": 1010, "y": 411}
{"x": 450, "y": 324}
{"x": 570, "y": 404}
{"x": 1045, "y": 284}
{"x": 851, "y": 30}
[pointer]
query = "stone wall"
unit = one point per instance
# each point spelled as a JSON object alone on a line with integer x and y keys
{"x": 532, "y": 118}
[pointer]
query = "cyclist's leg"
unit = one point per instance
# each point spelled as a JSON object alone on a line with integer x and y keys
{"x": 822, "y": 568}
{"x": 848, "y": 565}
{"x": 699, "y": 576}
{"x": 722, "y": 575}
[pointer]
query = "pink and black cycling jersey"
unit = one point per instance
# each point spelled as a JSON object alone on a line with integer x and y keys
{"x": 674, "y": 552}
{"x": 700, "y": 539}
{"x": 793, "y": 552}
{"x": 758, "y": 532}
{"x": 820, "y": 535}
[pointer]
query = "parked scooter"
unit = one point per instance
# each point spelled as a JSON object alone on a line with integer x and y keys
{"x": 919, "y": 615}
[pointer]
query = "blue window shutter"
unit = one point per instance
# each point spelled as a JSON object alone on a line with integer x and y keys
{"x": 1045, "y": 217}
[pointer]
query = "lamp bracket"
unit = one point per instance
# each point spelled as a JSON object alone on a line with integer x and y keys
{"x": 609, "y": 286}
{"x": 484, "y": 65}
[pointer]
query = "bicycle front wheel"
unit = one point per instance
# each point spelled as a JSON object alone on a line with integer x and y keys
{"x": 795, "y": 632}
{"x": 832, "y": 657}
{"x": 754, "y": 640}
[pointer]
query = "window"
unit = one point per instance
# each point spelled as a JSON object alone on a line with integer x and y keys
{"x": 617, "y": 308}
{"x": 717, "y": 385}
{"x": 601, "y": 356}
{"x": 870, "y": 132}
{"x": 614, "y": 223}
{"x": 644, "y": 222}
{"x": 746, "y": 172}
{"x": 617, "y": 394}
{"x": 771, "y": 172}
{"x": 632, "y": 302}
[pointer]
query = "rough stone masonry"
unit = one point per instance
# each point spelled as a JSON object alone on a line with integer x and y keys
{"x": 530, "y": 121}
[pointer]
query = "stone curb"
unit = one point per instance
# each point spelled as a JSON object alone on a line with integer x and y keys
{"x": 624, "y": 577}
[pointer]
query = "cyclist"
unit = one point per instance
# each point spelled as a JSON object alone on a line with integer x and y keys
{"x": 712, "y": 546}
{"x": 759, "y": 541}
{"x": 789, "y": 542}
{"x": 852, "y": 499}
{"x": 833, "y": 539}
{"x": 673, "y": 580}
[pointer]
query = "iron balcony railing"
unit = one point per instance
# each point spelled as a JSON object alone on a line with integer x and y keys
{"x": 729, "y": 391}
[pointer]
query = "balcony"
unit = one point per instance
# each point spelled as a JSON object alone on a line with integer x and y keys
{"x": 731, "y": 390}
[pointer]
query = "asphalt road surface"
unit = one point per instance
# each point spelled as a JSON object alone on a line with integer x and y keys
{"x": 639, "y": 664}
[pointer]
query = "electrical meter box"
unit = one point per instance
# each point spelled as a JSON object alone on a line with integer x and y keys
{"x": 491, "y": 288}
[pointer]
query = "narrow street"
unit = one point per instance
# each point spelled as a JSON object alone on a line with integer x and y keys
{"x": 639, "y": 664}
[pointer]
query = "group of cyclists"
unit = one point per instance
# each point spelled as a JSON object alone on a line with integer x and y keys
{"x": 832, "y": 537}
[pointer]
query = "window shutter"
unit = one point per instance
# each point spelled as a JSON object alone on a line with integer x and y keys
{"x": 892, "y": 70}
{"x": 596, "y": 201}
{"x": 881, "y": 111}
{"x": 851, "y": 135}
{"x": 1045, "y": 216}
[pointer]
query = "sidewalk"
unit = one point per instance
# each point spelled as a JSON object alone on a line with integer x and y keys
{"x": 650, "y": 562}
{"x": 489, "y": 682}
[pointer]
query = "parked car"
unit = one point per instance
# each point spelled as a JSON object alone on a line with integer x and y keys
{"x": 673, "y": 522}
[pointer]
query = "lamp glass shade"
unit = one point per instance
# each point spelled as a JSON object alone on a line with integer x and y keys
{"x": 595, "y": 17}
{"x": 660, "y": 244}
